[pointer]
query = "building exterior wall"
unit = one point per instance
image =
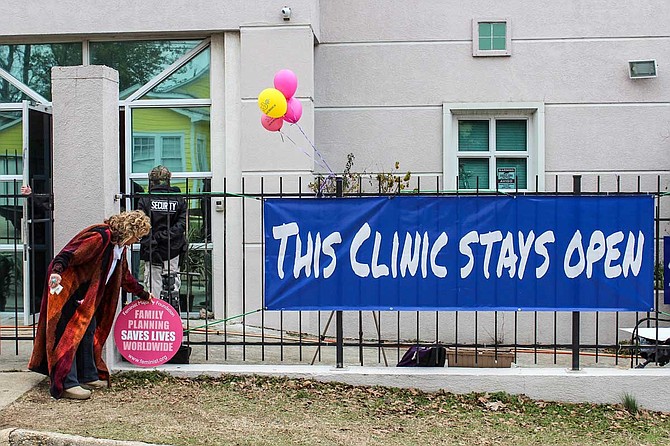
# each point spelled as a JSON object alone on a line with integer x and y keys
{"x": 84, "y": 195}
{"x": 384, "y": 69}
{"x": 375, "y": 78}
{"x": 45, "y": 18}
{"x": 381, "y": 71}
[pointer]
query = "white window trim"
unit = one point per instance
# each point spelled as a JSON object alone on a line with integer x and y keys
{"x": 168, "y": 71}
{"x": 32, "y": 94}
{"x": 532, "y": 111}
{"x": 476, "y": 52}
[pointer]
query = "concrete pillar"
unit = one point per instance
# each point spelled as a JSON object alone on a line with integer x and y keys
{"x": 264, "y": 51}
{"x": 86, "y": 148}
{"x": 233, "y": 174}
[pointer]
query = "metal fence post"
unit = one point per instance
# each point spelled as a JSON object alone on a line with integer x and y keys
{"x": 339, "y": 332}
{"x": 577, "y": 190}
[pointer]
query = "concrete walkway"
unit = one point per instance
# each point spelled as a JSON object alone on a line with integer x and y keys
{"x": 15, "y": 384}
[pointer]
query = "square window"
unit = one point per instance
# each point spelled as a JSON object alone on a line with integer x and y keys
{"x": 473, "y": 136}
{"x": 473, "y": 173}
{"x": 485, "y": 30}
{"x": 493, "y": 148}
{"x": 511, "y": 135}
{"x": 172, "y": 152}
{"x": 169, "y": 136}
{"x": 511, "y": 173}
{"x": 485, "y": 44}
{"x": 498, "y": 43}
{"x": 491, "y": 37}
{"x": 499, "y": 29}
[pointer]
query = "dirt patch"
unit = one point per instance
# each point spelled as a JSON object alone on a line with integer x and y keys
{"x": 232, "y": 410}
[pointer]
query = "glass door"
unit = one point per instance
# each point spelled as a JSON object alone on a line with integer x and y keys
{"x": 11, "y": 210}
{"x": 38, "y": 209}
{"x": 26, "y": 220}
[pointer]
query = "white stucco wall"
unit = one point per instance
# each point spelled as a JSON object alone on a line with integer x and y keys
{"x": 86, "y": 147}
{"x": 386, "y": 20}
{"x": 388, "y": 66}
{"x": 264, "y": 51}
{"x": 68, "y": 18}
{"x": 380, "y": 71}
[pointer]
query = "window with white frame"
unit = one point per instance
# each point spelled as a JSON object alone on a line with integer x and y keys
{"x": 497, "y": 148}
{"x": 491, "y": 37}
{"x": 150, "y": 150}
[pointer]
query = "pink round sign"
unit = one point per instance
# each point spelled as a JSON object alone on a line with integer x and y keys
{"x": 148, "y": 333}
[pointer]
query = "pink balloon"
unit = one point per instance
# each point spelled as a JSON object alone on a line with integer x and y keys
{"x": 287, "y": 82}
{"x": 293, "y": 111}
{"x": 271, "y": 124}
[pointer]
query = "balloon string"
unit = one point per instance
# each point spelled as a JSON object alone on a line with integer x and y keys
{"x": 315, "y": 149}
{"x": 283, "y": 135}
{"x": 321, "y": 163}
{"x": 322, "y": 186}
{"x": 323, "y": 183}
{"x": 331, "y": 174}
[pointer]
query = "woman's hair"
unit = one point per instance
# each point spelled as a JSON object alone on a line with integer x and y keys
{"x": 128, "y": 224}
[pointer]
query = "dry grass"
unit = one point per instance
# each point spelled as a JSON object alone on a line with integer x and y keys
{"x": 157, "y": 408}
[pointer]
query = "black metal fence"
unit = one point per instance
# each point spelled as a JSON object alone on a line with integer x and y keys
{"x": 222, "y": 290}
{"x": 25, "y": 251}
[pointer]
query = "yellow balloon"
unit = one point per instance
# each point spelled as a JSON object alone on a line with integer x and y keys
{"x": 272, "y": 102}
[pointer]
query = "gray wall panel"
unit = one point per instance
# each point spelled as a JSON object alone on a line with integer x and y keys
{"x": 48, "y": 17}
{"x": 402, "y": 20}
{"x": 611, "y": 138}
{"x": 266, "y": 50}
{"x": 432, "y": 73}
{"x": 264, "y": 151}
{"x": 379, "y": 137}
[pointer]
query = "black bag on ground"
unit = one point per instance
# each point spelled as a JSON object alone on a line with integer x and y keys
{"x": 182, "y": 356}
{"x": 418, "y": 356}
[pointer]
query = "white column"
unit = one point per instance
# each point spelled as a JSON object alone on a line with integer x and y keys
{"x": 85, "y": 153}
{"x": 85, "y": 148}
{"x": 218, "y": 149}
{"x": 226, "y": 155}
{"x": 233, "y": 171}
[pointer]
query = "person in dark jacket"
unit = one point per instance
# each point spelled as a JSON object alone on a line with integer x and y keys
{"x": 161, "y": 249}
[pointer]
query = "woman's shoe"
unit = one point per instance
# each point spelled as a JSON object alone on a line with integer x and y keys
{"x": 77, "y": 393}
{"x": 95, "y": 385}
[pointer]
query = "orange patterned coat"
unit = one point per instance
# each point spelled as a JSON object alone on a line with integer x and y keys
{"x": 83, "y": 264}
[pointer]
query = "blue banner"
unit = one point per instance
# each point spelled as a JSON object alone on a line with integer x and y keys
{"x": 460, "y": 253}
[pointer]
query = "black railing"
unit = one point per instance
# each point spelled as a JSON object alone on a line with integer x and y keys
{"x": 223, "y": 297}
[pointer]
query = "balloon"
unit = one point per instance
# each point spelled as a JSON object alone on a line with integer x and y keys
{"x": 271, "y": 124}
{"x": 287, "y": 82}
{"x": 272, "y": 102}
{"x": 293, "y": 111}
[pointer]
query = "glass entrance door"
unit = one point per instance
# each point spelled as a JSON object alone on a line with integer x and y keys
{"x": 11, "y": 210}
{"x": 38, "y": 230}
{"x": 26, "y": 227}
